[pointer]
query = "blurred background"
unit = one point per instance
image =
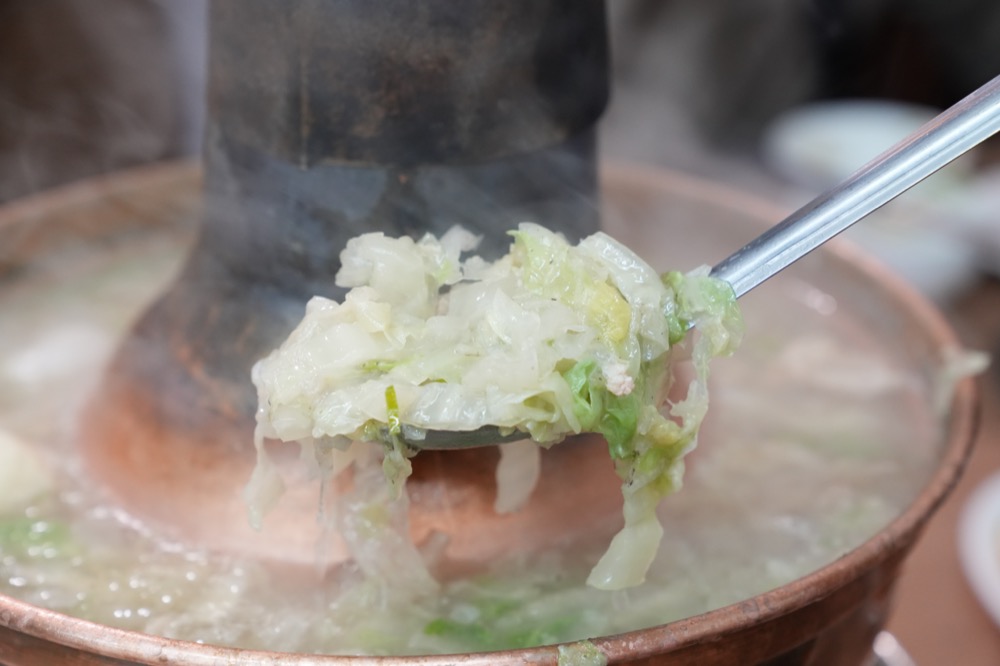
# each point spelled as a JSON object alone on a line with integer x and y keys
{"x": 95, "y": 85}
{"x": 739, "y": 91}
{"x": 728, "y": 89}
{"x": 92, "y": 86}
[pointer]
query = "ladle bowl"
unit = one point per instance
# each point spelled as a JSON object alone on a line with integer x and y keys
{"x": 829, "y": 617}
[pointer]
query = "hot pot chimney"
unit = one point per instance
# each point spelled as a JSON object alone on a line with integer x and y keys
{"x": 329, "y": 118}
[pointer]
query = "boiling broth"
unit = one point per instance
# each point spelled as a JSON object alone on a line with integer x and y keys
{"x": 817, "y": 436}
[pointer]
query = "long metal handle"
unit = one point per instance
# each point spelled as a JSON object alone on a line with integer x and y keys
{"x": 946, "y": 137}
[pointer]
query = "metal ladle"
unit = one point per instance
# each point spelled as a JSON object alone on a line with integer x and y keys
{"x": 937, "y": 143}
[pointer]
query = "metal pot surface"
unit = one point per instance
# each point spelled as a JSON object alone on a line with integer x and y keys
{"x": 827, "y": 618}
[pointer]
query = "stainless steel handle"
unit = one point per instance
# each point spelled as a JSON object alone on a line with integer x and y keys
{"x": 946, "y": 137}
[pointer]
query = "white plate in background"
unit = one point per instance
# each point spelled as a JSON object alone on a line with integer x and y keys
{"x": 930, "y": 235}
{"x": 979, "y": 544}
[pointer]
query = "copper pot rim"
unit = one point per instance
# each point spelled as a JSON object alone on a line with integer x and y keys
{"x": 94, "y": 638}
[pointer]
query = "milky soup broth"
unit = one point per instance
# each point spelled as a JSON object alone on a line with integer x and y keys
{"x": 818, "y": 435}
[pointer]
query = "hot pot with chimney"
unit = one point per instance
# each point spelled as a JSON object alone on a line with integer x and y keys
{"x": 332, "y": 118}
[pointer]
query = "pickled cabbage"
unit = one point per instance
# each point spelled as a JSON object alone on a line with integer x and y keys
{"x": 550, "y": 340}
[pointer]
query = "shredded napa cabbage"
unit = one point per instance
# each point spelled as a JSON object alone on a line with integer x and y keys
{"x": 550, "y": 340}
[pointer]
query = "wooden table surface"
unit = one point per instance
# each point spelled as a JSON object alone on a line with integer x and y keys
{"x": 937, "y": 618}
